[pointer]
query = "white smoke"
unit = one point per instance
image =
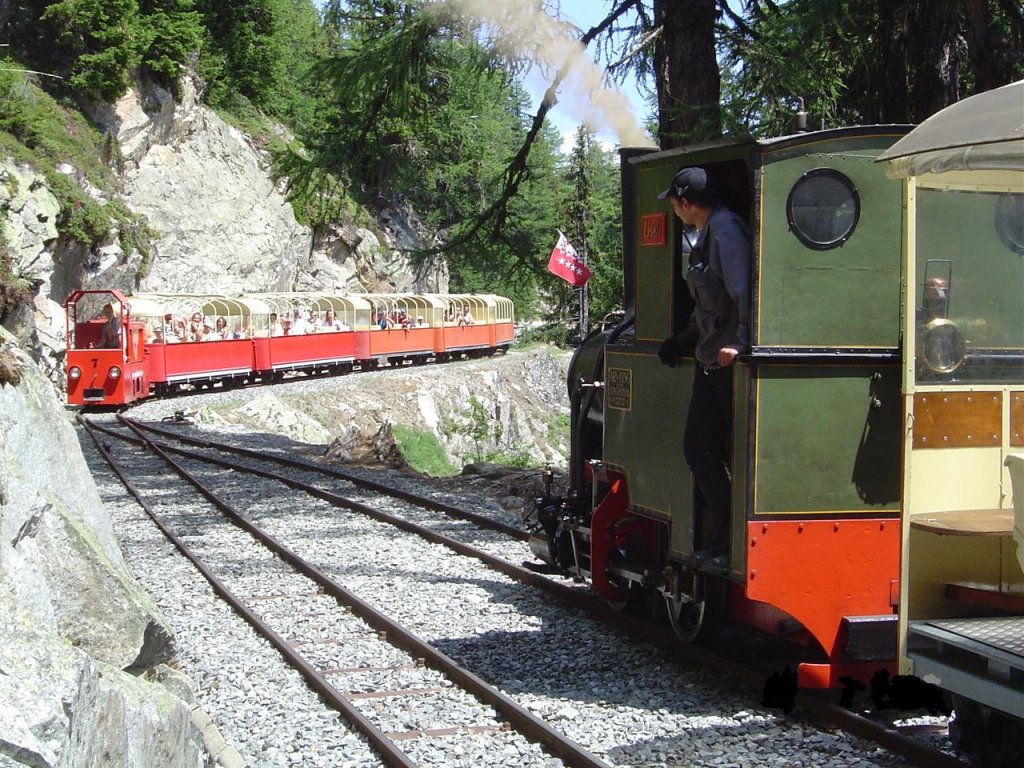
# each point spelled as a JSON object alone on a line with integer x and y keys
{"x": 523, "y": 30}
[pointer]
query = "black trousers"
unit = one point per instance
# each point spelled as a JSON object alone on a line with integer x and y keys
{"x": 706, "y": 448}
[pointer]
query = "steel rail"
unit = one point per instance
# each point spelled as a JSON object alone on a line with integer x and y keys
{"x": 370, "y": 485}
{"x": 823, "y": 713}
{"x": 571, "y": 753}
{"x": 576, "y": 597}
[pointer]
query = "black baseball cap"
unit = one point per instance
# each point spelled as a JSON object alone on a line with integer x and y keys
{"x": 693, "y": 184}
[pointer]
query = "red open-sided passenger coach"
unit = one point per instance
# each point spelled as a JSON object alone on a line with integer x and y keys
{"x": 122, "y": 349}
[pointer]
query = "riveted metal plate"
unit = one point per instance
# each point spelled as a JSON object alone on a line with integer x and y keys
{"x": 958, "y": 419}
{"x": 1016, "y": 418}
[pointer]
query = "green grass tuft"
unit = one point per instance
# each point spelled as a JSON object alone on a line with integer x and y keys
{"x": 423, "y": 451}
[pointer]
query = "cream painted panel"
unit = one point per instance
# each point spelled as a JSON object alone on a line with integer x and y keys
{"x": 957, "y": 478}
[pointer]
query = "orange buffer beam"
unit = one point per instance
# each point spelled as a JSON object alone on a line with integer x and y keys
{"x": 819, "y": 571}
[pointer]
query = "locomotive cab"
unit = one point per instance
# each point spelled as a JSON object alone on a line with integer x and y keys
{"x": 816, "y": 412}
{"x": 105, "y": 362}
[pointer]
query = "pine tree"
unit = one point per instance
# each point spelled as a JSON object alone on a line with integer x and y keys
{"x": 101, "y": 39}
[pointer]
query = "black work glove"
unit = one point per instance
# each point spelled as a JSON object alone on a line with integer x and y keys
{"x": 668, "y": 351}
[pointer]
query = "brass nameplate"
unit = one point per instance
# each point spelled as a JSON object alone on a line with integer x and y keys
{"x": 618, "y": 388}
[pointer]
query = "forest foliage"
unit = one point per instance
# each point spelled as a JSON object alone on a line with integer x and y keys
{"x": 385, "y": 103}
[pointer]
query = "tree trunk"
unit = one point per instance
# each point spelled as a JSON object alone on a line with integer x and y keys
{"x": 991, "y": 51}
{"x": 920, "y": 50}
{"x": 892, "y": 34}
{"x": 686, "y": 72}
{"x": 935, "y": 57}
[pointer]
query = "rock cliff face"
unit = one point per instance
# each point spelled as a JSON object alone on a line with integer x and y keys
{"x": 223, "y": 225}
{"x": 71, "y": 617}
{"x": 508, "y": 407}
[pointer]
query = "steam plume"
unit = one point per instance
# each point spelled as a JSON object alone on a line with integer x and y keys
{"x": 525, "y": 30}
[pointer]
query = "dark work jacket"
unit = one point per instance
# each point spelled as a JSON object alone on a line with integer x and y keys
{"x": 719, "y": 281}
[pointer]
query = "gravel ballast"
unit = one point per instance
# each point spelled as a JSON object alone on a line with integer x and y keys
{"x": 631, "y": 704}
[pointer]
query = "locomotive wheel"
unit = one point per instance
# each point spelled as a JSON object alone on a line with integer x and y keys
{"x": 694, "y": 620}
{"x": 685, "y": 616}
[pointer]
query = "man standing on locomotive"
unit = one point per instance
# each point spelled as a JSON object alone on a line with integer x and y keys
{"x": 718, "y": 278}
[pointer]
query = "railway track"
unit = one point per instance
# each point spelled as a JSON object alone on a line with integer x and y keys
{"x": 497, "y": 546}
{"x": 316, "y": 590}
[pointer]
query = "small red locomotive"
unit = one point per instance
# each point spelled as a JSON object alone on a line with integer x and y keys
{"x": 125, "y": 348}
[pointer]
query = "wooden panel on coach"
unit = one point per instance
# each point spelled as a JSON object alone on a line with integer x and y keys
{"x": 504, "y": 333}
{"x": 156, "y": 363}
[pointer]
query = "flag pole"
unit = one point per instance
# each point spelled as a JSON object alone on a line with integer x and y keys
{"x": 584, "y": 308}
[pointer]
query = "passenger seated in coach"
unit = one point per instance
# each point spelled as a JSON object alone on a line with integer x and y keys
{"x": 314, "y": 322}
{"x": 383, "y": 321}
{"x": 195, "y": 330}
{"x": 175, "y": 329}
{"x": 299, "y": 324}
{"x": 167, "y": 329}
{"x": 286, "y": 327}
{"x": 421, "y": 322}
{"x": 276, "y": 329}
{"x": 219, "y": 332}
{"x": 330, "y": 322}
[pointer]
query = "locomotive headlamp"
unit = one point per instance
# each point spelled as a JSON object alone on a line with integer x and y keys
{"x": 74, "y": 372}
{"x": 942, "y": 346}
{"x": 115, "y": 372}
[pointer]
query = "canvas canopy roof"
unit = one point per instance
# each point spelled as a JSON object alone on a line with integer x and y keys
{"x": 981, "y": 132}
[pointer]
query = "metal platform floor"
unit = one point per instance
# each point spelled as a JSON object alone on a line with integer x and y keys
{"x": 979, "y": 658}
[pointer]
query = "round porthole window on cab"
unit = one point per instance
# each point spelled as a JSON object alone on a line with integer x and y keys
{"x": 823, "y": 209}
